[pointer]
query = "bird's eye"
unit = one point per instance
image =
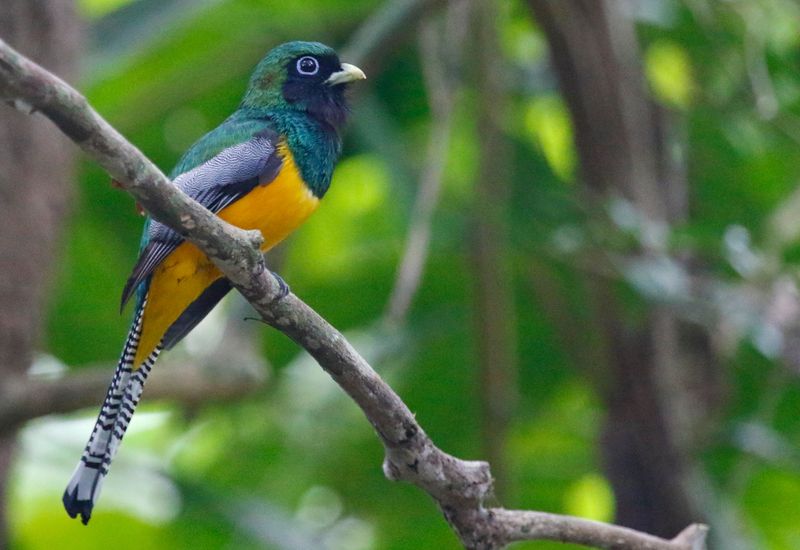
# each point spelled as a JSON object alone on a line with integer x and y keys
{"x": 307, "y": 65}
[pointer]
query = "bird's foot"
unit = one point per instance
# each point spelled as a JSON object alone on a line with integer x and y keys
{"x": 283, "y": 288}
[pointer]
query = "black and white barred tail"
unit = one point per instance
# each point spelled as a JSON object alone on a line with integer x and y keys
{"x": 115, "y": 415}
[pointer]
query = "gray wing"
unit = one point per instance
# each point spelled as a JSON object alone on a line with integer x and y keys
{"x": 217, "y": 183}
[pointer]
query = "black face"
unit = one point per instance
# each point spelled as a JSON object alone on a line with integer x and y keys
{"x": 305, "y": 87}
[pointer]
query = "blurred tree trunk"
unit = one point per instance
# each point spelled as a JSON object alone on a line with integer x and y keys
{"x": 36, "y": 170}
{"x": 659, "y": 378}
{"x": 495, "y": 318}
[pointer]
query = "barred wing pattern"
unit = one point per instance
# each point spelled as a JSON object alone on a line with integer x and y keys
{"x": 217, "y": 183}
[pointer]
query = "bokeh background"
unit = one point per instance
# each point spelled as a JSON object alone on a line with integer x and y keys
{"x": 564, "y": 231}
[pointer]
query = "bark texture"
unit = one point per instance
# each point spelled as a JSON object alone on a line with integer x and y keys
{"x": 660, "y": 378}
{"x": 495, "y": 317}
{"x": 36, "y": 170}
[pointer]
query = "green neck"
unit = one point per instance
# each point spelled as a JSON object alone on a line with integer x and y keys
{"x": 315, "y": 146}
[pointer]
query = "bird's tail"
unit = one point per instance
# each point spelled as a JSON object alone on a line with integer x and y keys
{"x": 120, "y": 402}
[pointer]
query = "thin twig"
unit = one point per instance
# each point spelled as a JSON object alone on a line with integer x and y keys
{"x": 459, "y": 487}
{"x": 442, "y": 93}
{"x": 382, "y": 31}
{"x": 520, "y": 525}
{"x": 755, "y": 56}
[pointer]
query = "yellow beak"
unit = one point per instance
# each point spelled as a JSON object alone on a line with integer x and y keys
{"x": 349, "y": 73}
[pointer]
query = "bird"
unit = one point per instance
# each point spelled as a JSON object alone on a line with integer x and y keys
{"x": 266, "y": 167}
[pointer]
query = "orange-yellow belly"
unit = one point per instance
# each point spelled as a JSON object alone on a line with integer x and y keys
{"x": 275, "y": 209}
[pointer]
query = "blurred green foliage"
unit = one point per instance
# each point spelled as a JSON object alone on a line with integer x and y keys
{"x": 298, "y": 457}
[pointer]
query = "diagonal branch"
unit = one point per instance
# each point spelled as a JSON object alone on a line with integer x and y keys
{"x": 459, "y": 487}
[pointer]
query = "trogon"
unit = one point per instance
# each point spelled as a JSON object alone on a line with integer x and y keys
{"x": 266, "y": 167}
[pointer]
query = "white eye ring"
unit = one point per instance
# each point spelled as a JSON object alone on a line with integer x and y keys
{"x": 303, "y": 67}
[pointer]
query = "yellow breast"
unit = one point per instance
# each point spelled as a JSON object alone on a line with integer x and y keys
{"x": 276, "y": 209}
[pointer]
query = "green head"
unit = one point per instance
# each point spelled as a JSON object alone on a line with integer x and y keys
{"x": 306, "y": 76}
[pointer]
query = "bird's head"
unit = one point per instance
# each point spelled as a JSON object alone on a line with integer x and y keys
{"x": 306, "y": 76}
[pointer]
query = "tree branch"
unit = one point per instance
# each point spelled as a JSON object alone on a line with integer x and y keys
{"x": 382, "y": 31}
{"x": 459, "y": 487}
{"x": 442, "y": 90}
{"x": 490, "y": 251}
{"x": 521, "y": 525}
{"x": 24, "y": 398}
{"x": 658, "y": 372}
{"x": 234, "y": 369}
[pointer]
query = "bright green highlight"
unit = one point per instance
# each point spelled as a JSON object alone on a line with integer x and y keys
{"x": 669, "y": 72}
{"x": 98, "y": 8}
{"x": 355, "y": 205}
{"x": 590, "y": 497}
{"x": 547, "y": 122}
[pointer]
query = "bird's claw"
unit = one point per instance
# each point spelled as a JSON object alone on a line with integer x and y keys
{"x": 283, "y": 288}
